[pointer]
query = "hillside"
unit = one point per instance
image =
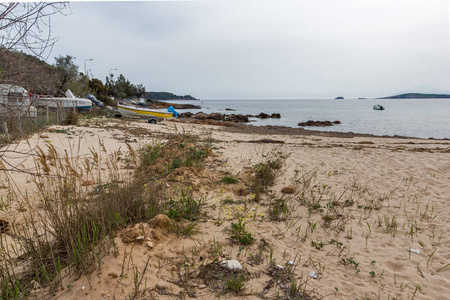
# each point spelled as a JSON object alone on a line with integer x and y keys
{"x": 167, "y": 96}
{"x": 416, "y": 96}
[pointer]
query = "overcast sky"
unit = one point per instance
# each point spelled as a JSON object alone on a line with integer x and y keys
{"x": 264, "y": 49}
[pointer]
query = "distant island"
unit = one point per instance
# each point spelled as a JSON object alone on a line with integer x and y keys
{"x": 416, "y": 96}
{"x": 340, "y": 97}
{"x": 167, "y": 96}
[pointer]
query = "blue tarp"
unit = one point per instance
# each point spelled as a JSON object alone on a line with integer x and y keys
{"x": 94, "y": 100}
{"x": 172, "y": 110}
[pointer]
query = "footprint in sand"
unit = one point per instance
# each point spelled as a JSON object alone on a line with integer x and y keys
{"x": 395, "y": 267}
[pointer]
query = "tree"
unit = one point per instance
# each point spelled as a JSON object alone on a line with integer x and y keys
{"x": 121, "y": 87}
{"x": 98, "y": 86}
{"x": 67, "y": 69}
{"x": 140, "y": 90}
{"x": 26, "y": 26}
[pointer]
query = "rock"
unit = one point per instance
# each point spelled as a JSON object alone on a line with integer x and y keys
{"x": 113, "y": 274}
{"x": 217, "y": 116}
{"x": 230, "y": 109}
{"x": 275, "y": 116}
{"x": 129, "y": 235}
{"x": 265, "y": 116}
{"x": 317, "y": 123}
{"x": 185, "y": 115}
{"x": 201, "y": 286}
{"x": 237, "y": 118}
{"x": 200, "y": 116}
{"x": 156, "y": 234}
{"x": 231, "y": 265}
{"x": 160, "y": 221}
{"x": 150, "y": 245}
{"x": 290, "y": 189}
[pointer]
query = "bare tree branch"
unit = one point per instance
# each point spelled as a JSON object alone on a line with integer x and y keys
{"x": 26, "y": 26}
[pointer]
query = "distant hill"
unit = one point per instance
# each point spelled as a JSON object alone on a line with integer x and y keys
{"x": 167, "y": 96}
{"x": 416, "y": 96}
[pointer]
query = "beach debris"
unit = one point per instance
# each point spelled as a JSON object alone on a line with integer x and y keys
{"x": 417, "y": 251}
{"x": 231, "y": 264}
{"x": 291, "y": 262}
{"x": 290, "y": 189}
{"x": 313, "y": 275}
{"x": 202, "y": 286}
{"x": 267, "y": 141}
{"x": 279, "y": 267}
{"x": 4, "y": 226}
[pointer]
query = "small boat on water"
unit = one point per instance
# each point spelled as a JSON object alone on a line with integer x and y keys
{"x": 70, "y": 101}
{"x": 378, "y": 107}
{"x": 148, "y": 113}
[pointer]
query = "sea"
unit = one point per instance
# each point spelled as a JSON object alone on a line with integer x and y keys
{"x": 421, "y": 118}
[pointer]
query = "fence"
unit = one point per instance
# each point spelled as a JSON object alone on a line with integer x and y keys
{"x": 16, "y": 123}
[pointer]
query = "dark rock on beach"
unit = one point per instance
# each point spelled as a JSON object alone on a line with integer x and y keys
{"x": 237, "y": 118}
{"x": 318, "y": 123}
{"x": 265, "y": 116}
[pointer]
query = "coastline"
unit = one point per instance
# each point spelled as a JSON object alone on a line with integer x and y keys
{"x": 285, "y": 130}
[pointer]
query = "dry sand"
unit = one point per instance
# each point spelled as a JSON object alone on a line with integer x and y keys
{"x": 393, "y": 195}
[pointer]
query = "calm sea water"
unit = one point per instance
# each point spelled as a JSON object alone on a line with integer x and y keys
{"x": 423, "y": 118}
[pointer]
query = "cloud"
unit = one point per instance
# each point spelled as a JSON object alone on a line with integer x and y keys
{"x": 264, "y": 49}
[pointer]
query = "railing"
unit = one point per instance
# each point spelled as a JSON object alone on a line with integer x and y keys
{"x": 15, "y": 122}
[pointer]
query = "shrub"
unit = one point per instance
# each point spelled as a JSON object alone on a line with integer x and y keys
{"x": 240, "y": 233}
{"x": 229, "y": 179}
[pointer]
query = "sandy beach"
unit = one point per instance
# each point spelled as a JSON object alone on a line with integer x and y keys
{"x": 360, "y": 217}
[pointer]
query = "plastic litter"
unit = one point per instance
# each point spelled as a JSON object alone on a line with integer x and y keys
{"x": 313, "y": 275}
{"x": 417, "y": 251}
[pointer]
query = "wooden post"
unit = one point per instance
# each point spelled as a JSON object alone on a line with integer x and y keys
{"x": 46, "y": 112}
{"x": 5, "y": 130}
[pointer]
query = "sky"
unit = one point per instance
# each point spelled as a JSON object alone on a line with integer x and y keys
{"x": 261, "y": 49}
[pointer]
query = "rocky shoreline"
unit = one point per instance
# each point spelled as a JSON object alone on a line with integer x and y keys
{"x": 236, "y": 118}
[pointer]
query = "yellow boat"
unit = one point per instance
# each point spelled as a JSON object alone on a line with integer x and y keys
{"x": 133, "y": 111}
